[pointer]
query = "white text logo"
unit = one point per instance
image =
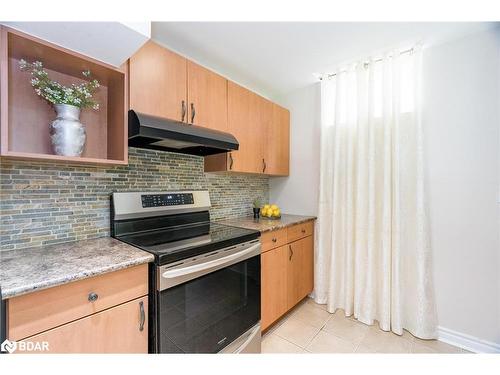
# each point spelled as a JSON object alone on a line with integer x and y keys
{"x": 24, "y": 346}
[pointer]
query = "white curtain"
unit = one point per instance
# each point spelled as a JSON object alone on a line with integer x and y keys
{"x": 372, "y": 251}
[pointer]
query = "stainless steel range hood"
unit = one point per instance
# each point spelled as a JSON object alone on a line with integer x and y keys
{"x": 157, "y": 133}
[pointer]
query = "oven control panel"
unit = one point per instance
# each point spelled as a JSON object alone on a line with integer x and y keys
{"x": 159, "y": 200}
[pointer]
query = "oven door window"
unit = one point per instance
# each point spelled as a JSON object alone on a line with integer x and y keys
{"x": 206, "y": 314}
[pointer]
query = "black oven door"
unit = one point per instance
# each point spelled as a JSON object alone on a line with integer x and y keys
{"x": 205, "y": 304}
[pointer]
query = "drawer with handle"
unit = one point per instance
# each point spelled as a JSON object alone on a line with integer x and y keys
{"x": 298, "y": 231}
{"x": 120, "y": 329}
{"x": 36, "y": 312}
{"x": 273, "y": 239}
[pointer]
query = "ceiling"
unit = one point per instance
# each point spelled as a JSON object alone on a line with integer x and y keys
{"x": 111, "y": 42}
{"x": 276, "y": 57}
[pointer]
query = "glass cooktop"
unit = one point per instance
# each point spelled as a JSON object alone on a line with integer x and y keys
{"x": 173, "y": 244}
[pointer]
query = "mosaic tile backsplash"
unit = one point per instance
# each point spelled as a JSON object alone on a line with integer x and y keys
{"x": 45, "y": 203}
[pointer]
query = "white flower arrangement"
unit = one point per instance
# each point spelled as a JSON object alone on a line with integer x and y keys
{"x": 55, "y": 93}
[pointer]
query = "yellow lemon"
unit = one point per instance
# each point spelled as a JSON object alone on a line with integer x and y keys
{"x": 274, "y": 207}
{"x": 263, "y": 211}
{"x": 269, "y": 213}
{"x": 266, "y": 207}
{"x": 276, "y": 212}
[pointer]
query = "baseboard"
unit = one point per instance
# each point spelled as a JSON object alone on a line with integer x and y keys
{"x": 467, "y": 342}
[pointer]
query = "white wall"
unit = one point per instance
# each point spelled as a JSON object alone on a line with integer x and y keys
{"x": 461, "y": 122}
{"x": 298, "y": 193}
{"x": 462, "y": 142}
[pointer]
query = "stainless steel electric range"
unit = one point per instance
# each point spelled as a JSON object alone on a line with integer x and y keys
{"x": 205, "y": 281}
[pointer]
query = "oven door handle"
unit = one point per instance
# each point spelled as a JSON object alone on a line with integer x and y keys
{"x": 210, "y": 265}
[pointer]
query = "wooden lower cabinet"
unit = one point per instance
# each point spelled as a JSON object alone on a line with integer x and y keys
{"x": 299, "y": 270}
{"x": 287, "y": 276}
{"x": 274, "y": 289}
{"x": 36, "y": 312}
{"x": 107, "y": 313}
{"x": 120, "y": 329}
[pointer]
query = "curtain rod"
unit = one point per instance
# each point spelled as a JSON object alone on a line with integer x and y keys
{"x": 410, "y": 50}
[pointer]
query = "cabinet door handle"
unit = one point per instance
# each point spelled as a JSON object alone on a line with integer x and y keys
{"x": 303, "y": 231}
{"x": 142, "y": 316}
{"x": 183, "y": 110}
{"x": 263, "y": 165}
{"x": 291, "y": 252}
{"x": 93, "y": 297}
{"x": 193, "y": 113}
{"x": 274, "y": 240}
{"x": 230, "y": 161}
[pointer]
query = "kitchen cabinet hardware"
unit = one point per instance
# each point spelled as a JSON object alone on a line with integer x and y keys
{"x": 143, "y": 316}
{"x": 263, "y": 165}
{"x": 303, "y": 231}
{"x": 93, "y": 297}
{"x": 291, "y": 252}
{"x": 193, "y": 113}
{"x": 230, "y": 161}
{"x": 183, "y": 110}
{"x": 274, "y": 239}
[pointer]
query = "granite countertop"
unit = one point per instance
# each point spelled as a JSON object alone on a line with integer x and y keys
{"x": 264, "y": 225}
{"x": 27, "y": 270}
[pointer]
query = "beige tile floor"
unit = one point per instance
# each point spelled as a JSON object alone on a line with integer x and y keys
{"x": 309, "y": 328}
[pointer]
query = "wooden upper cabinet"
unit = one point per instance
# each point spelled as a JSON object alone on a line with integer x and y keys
{"x": 278, "y": 152}
{"x": 207, "y": 98}
{"x": 158, "y": 82}
{"x": 263, "y": 121}
{"x": 249, "y": 115}
{"x": 243, "y": 124}
{"x": 262, "y": 129}
{"x": 167, "y": 85}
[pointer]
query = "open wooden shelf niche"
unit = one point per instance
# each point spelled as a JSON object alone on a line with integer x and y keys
{"x": 25, "y": 117}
